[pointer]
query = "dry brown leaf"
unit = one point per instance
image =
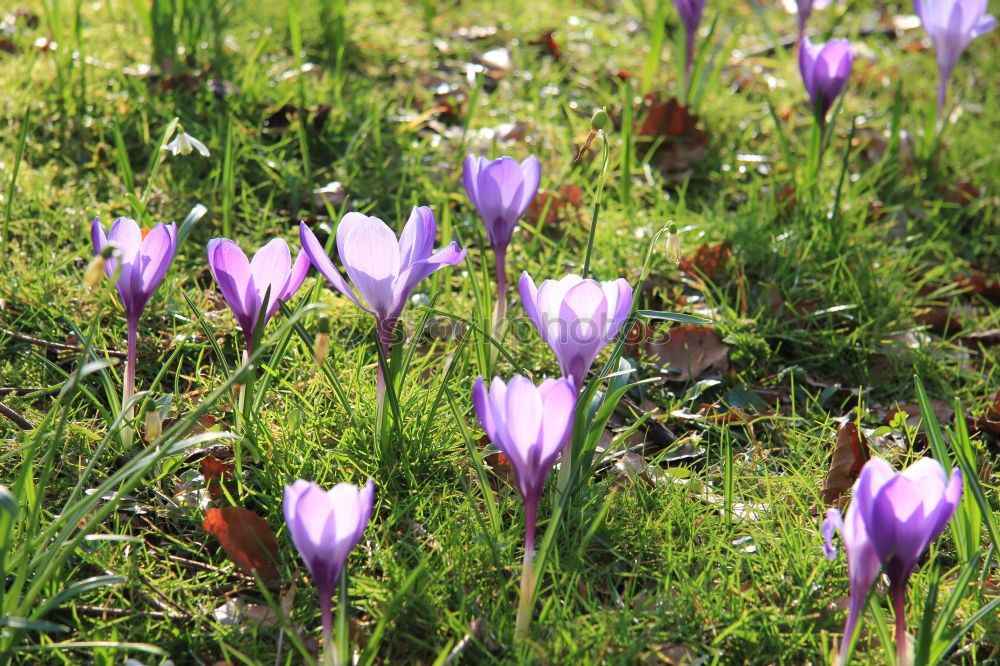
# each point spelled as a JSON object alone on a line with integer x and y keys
{"x": 246, "y": 538}
{"x": 849, "y": 456}
{"x": 708, "y": 261}
{"x": 692, "y": 350}
{"x": 681, "y": 142}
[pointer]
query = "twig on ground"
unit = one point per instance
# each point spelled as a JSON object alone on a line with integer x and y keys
{"x": 17, "y": 419}
{"x": 58, "y": 346}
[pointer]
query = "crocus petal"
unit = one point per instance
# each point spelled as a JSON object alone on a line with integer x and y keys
{"x": 832, "y": 522}
{"x": 269, "y": 269}
{"x": 416, "y": 242}
{"x": 370, "y": 253}
{"x": 470, "y": 179}
{"x": 411, "y": 276}
{"x": 529, "y": 298}
{"x": 156, "y": 251}
{"x": 296, "y": 277}
{"x": 558, "y": 398}
{"x": 319, "y": 259}
{"x": 524, "y": 400}
{"x": 231, "y": 270}
{"x": 532, "y": 173}
{"x": 100, "y": 240}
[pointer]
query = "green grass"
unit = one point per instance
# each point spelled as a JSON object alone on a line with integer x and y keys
{"x": 816, "y": 301}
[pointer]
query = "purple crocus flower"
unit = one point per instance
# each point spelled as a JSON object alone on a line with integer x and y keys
{"x": 143, "y": 258}
{"x": 244, "y": 283}
{"x": 383, "y": 270}
{"x": 952, "y": 25}
{"x": 530, "y": 425}
{"x": 901, "y": 514}
{"x": 501, "y": 190}
{"x": 577, "y": 317}
{"x": 825, "y": 69}
{"x": 325, "y": 525}
{"x": 863, "y": 563}
{"x": 690, "y": 12}
{"x": 804, "y": 8}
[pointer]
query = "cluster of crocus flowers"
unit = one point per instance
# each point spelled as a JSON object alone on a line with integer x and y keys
{"x": 690, "y": 12}
{"x": 383, "y": 270}
{"x": 576, "y": 318}
{"x": 141, "y": 261}
{"x": 530, "y": 425}
{"x": 825, "y": 69}
{"x": 253, "y": 288}
{"x": 325, "y": 526}
{"x": 501, "y": 190}
{"x": 952, "y": 25}
{"x": 892, "y": 519}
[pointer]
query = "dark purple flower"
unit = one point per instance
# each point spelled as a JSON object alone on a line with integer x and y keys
{"x": 325, "y": 526}
{"x": 952, "y": 25}
{"x": 577, "y": 317}
{"x": 690, "y": 12}
{"x": 501, "y": 190}
{"x": 901, "y": 514}
{"x": 825, "y": 70}
{"x": 804, "y": 8}
{"x": 244, "y": 283}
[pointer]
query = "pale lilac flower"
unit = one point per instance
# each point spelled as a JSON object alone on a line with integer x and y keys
{"x": 244, "y": 283}
{"x": 952, "y": 25}
{"x": 892, "y": 519}
{"x": 577, "y": 317}
{"x": 142, "y": 261}
{"x": 325, "y": 526}
{"x": 530, "y": 425}
{"x": 501, "y": 190}
{"x": 384, "y": 271}
{"x": 825, "y": 69}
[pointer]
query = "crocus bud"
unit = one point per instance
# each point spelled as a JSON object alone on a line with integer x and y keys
{"x": 322, "y": 343}
{"x": 673, "y": 243}
{"x": 154, "y": 424}
{"x": 600, "y": 120}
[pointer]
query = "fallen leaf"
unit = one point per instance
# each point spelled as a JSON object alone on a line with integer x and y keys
{"x": 849, "y": 455}
{"x": 673, "y": 129}
{"x": 216, "y": 473}
{"x": 246, "y": 538}
{"x": 690, "y": 351}
{"x": 708, "y": 261}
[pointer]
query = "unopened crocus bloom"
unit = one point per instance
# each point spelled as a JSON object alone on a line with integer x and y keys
{"x": 892, "y": 519}
{"x": 142, "y": 260}
{"x": 804, "y": 9}
{"x": 384, "y": 271}
{"x": 245, "y": 283}
{"x": 952, "y": 25}
{"x": 690, "y": 12}
{"x": 577, "y": 317}
{"x": 501, "y": 190}
{"x": 530, "y": 425}
{"x": 325, "y": 526}
{"x": 825, "y": 68}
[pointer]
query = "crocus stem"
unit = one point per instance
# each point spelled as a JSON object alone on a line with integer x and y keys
{"x": 857, "y": 605}
{"x": 128, "y": 388}
{"x": 526, "y": 603}
{"x": 899, "y": 608}
{"x": 500, "y": 311}
{"x": 688, "y": 64}
{"x": 331, "y": 655}
{"x": 384, "y": 330}
{"x": 597, "y": 204}
{"x": 942, "y": 91}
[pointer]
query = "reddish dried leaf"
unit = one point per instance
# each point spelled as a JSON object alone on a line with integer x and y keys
{"x": 672, "y": 124}
{"x": 708, "y": 260}
{"x": 849, "y": 456}
{"x": 692, "y": 350}
{"x": 501, "y": 466}
{"x": 246, "y": 538}
{"x": 216, "y": 473}
{"x": 561, "y": 205}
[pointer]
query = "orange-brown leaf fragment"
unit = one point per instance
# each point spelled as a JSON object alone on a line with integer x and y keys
{"x": 849, "y": 456}
{"x": 216, "y": 473}
{"x": 691, "y": 350}
{"x": 246, "y": 538}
